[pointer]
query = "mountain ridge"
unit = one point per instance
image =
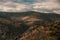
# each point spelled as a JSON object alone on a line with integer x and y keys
{"x": 29, "y": 26}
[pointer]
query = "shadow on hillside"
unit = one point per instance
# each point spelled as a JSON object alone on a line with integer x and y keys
{"x": 8, "y": 31}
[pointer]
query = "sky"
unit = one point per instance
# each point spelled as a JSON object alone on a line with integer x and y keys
{"x": 45, "y": 6}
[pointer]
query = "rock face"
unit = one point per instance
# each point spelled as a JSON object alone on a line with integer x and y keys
{"x": 29, "y": 26}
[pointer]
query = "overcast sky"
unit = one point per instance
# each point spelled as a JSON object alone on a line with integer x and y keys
{"x": 30, "y": 5}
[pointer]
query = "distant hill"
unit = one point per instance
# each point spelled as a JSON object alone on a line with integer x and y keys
{"x": 34, "y": 25}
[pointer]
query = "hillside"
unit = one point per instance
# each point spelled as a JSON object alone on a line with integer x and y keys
{"x": 29, "y": 26}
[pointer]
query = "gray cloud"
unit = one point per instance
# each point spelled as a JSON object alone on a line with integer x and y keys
{"x": 46, "y": 5}
{"x": 26, "y": 5}
{"x": 12, "y": 6}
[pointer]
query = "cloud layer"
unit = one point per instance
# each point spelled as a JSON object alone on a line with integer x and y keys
{"x": 14, "y": 7}
{"x": 26, "y": 5}
{"x": 47, "y": 5}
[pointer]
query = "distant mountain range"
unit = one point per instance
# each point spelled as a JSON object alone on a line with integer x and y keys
{"x": 14, "y": 25}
